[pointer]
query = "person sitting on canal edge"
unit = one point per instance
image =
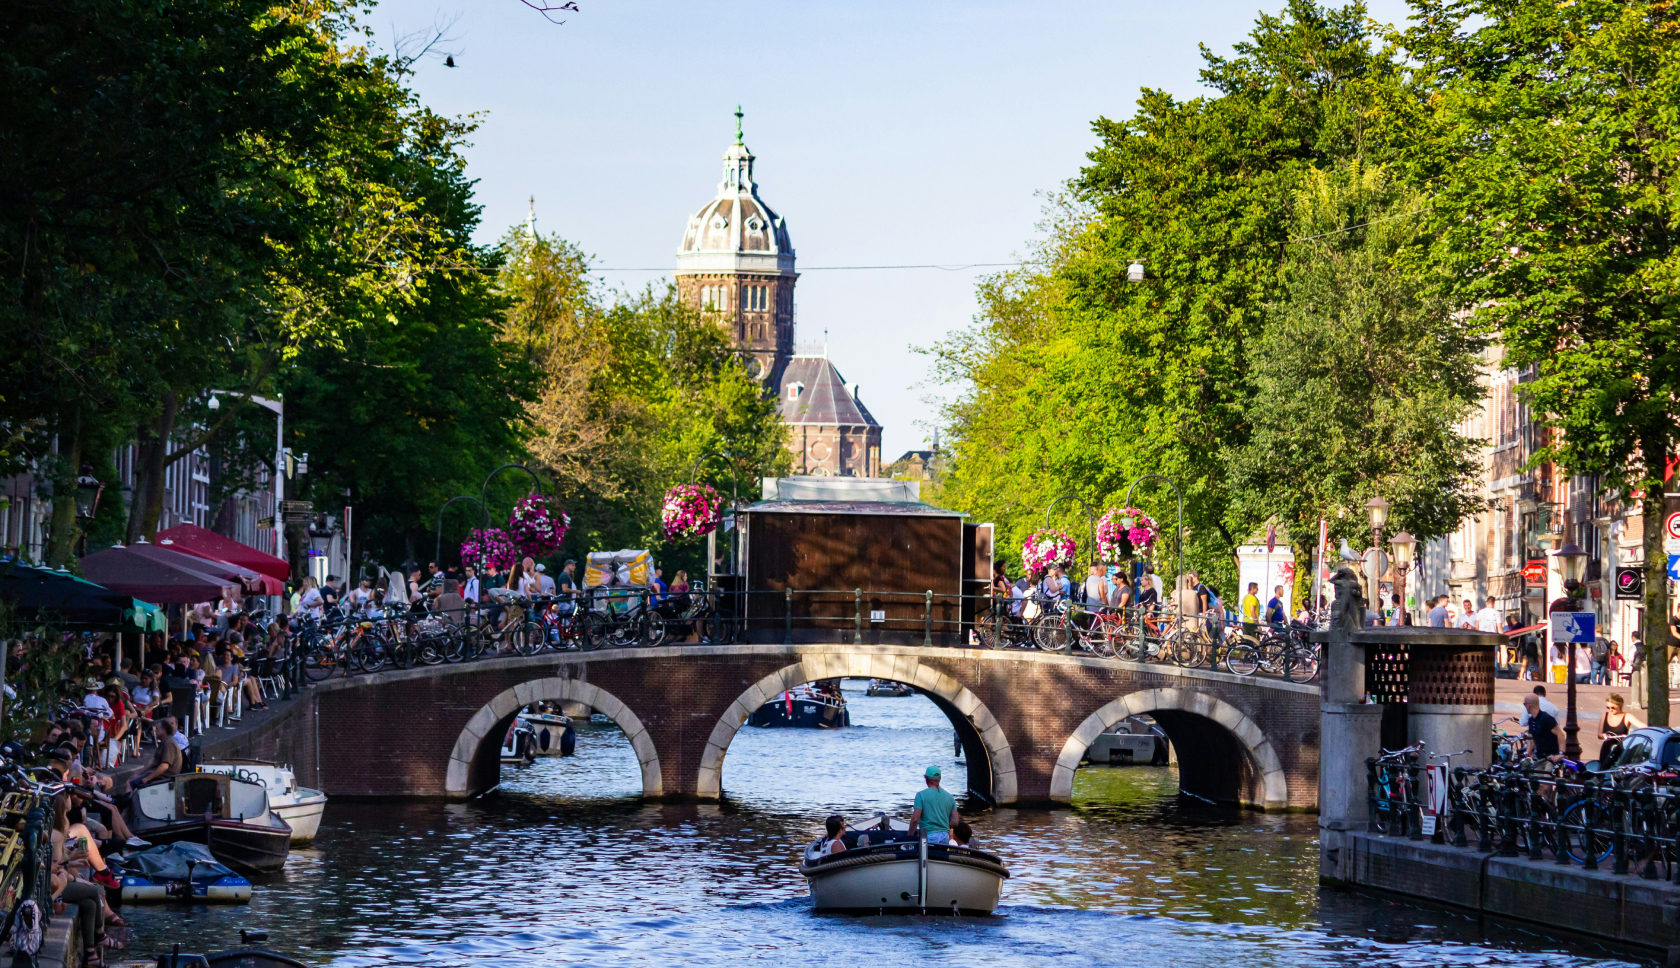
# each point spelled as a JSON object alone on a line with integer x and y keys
{"x": 935, "y": 810}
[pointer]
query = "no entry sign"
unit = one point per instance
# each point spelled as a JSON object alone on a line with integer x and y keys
{"x": 1671, "y": 527}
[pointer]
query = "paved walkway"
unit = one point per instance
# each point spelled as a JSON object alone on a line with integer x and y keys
{"x": 1589, "y": 702}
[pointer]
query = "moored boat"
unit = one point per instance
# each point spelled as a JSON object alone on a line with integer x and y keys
{"x": 519, "y": 743}
{"x": 300, "y": 807}
{"x": 817, "y": 709}
{"x": 888, "y": 688}
{"x": 552, "y": 733}
{"x": 228, "y": 815}
{"x": 182, "y": 872}
{"x": 885, "y": 871}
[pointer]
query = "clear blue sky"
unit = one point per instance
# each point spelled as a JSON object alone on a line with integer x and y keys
{"x": 886, "y": 133}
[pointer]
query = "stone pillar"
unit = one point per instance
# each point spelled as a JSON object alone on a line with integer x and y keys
{"x": 1349, "y": 728}
{"x": 1449, "y": 688}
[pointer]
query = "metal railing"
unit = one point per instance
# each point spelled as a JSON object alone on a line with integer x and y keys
{"x": 634, "y": 617}
{"x": 1627, "y": 819}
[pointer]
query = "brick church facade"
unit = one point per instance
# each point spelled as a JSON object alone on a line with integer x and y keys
{"x": 736, "y": 264}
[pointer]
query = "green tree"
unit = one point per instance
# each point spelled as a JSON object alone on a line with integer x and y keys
{"x": 1552, "y": 138}
{"x": 1361, "y": 374}
{"x": 635, "y": 387}
{"x": 1078, "y": 380}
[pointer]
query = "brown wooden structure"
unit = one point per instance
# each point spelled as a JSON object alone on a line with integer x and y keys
{"x": 861, "y": 571}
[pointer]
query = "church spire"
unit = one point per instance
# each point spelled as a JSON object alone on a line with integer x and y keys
{"x": 531, "y": 218}
{"x": 738, "y": 125}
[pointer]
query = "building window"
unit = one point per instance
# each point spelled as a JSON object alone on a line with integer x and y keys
{"x": 714, "y": 298}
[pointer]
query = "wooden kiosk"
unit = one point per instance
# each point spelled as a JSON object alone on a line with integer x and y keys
{"x": 866, "y": 560}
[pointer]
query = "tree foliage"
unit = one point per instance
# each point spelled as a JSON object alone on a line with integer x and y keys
{"x": 1080, "y": 381}
{"x": 634, "y": 389}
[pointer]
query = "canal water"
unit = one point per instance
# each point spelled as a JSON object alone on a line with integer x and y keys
{"x": 563, "y": 866}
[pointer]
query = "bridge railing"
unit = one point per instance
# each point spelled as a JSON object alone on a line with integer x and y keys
{"x": 634, "y": 617}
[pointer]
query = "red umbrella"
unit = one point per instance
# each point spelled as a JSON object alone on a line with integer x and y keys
{"x": 251, "y": 581}
{"x": 142, "y": 576}
{"x": 199, "y": 541}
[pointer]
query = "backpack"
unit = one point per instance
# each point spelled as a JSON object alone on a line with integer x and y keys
{"x": 1600, "y": 650}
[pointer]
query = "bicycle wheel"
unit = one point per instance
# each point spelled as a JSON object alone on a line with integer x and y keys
{"x": 430, "y": 646}
{"x": 400, "y": 652}
{"x": 454, "y": 644}
{"x": 1572, "y": 831}
{"x": 1050, "y": 634}
{"x": 527, "y": 638}
{"x": 1191, "y": 650}
{"x": 591, "y": 635}
{"x": 1242, "y": 659}
{"x": 1303, "y": 663}
{"x": 367, "y": 657}
{"x": 1099, "y": 639}
{"x": 320, "y": 663}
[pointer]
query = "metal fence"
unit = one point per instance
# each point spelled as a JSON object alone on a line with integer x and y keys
{"x": 632, "y": 618}
{"x": 1627, "y": 820}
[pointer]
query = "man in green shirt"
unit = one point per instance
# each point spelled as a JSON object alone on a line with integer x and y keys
{"x": 936, "y": 811}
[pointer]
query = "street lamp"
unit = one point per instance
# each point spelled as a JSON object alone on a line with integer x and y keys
{"x": 1134, "y": 272}
{"x": 1377, "y": 509}
{"x": 1572, "y": 562}
{"x": 88, "y": 490}
{"x": 1404, "y": 545}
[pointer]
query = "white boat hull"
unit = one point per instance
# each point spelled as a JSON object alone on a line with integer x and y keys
{"x": 879, "y": 883}
{"x": 304, "y": 815}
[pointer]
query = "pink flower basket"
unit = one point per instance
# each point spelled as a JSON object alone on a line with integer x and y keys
{"x": 1048, "y": 547}
{"x": 691, "y": 511}
{"x": 537, "y": 526}
{"x": 1115, "y": 541}
{"x": 485, "y": 547}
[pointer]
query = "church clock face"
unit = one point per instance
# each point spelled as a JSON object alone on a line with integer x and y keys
{"x": 755, "y": 368}
{"x": 821, "y": 451}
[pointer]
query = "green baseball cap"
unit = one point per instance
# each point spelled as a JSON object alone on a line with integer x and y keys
{"x": 932, "y": 772}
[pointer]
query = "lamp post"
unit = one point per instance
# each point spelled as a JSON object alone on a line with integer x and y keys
{"x": 1090, "y": 520}
{"x": 1377, "y": 508}
{"x": 1180, "y": 495}
{"x": 729, "y": 459}
{"x": 1404, "y": 545}
{"x": 1572, "y": 561}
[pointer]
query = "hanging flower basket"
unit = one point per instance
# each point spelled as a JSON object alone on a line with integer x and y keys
{"x": 537, "y": 526}
{"x": 1046, "y": 548}
{"x": 691, "y": 511}
{"x": 1115, "y": 541}
{"x": 487, "y": 547}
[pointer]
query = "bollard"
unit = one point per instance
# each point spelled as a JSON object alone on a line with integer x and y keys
{"x": 1413, "y": 805}
{"x": 858, "y": 595}
{"x": 927, "y": 622}
{"x": 787, "y": 627}
{"x": 1589, "y": 841}
{"x": 1508, "y": 828}
{"x": 1618, "y": 833}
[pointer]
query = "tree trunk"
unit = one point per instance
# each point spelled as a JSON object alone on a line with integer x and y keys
{"x": 61, "y": 539}
{"x": 1657, "y": 641}
{"x": 151, "y": 460}
{"x": 1304, "y": 569}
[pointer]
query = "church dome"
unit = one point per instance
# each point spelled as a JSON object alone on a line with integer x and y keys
{"x": 736, "y": 230}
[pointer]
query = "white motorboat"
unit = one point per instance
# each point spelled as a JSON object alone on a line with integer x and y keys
{"x": 890, "y": 870}
{"x": 886, "y": 687}
{"x": 552, "y": 733}
{"x": 229, "y": 815}
{"x": 299, "y": 806}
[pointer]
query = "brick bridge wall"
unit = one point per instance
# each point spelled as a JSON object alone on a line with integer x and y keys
{"x": 1025, "y": 718}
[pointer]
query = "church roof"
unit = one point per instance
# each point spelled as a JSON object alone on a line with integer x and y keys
{"x": 812, "y": 391}
{"x": 736, "y": 230}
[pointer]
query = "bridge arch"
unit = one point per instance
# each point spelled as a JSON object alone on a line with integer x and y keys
{"x": 475, "y": 763}
{"x": 982, "y": 737}
{"x": 1208, "y": 733}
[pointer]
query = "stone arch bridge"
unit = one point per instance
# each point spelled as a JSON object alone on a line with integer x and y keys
{"x": 1025, "y": 718}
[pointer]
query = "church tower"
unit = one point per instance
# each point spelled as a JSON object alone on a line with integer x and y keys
{"x": 736, "y": 264}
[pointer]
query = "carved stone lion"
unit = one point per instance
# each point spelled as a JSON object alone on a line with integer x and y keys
{"x": 1347, "y": 612}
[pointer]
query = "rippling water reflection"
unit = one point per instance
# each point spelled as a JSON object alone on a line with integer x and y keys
{"x": 564, "y": 866}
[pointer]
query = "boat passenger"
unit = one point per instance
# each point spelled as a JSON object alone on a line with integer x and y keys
{"x": 935, "y": 810}
{"x": 833, "y": 843}
{"x": 962, "y": 835}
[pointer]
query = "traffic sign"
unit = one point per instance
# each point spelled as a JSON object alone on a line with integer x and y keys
{"x": 1671, "y": 527}
{"x": 1674, "y": 567}
{"x": 1534, "y": 572}
{"x": 1271, "y": 538}
{"x": 1574, "y": 626}
{"x": 1630, "y": 583}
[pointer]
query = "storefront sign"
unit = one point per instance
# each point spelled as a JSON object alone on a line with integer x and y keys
{"x": 1534, "y": 572}
{"x": 1630, "y": 584}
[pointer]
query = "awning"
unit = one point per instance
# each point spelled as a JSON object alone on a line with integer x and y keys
{"x": 44, "y": 595}
{"x": 208, "y": 544}
{"x": 137, "y": 572}
{"x": 1525, "y": 630}
{"x": 251, "y": 582}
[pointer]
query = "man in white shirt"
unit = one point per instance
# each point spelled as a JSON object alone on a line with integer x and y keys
{"x": 1546, "y": 706}
{"x": 1487, "y": 618}
{"x": 546, "y": 582}
{"x": 469, "y": 589}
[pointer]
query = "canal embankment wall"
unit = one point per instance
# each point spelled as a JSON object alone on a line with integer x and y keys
{"x": 1622, "y": 908}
